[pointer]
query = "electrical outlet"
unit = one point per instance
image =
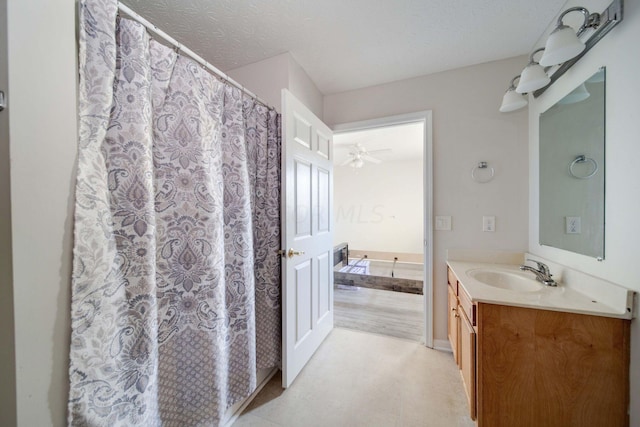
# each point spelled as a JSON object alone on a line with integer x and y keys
{"x": 573, "y": 225}
{"x": 489, "y": 223}
{"x": 443, "y": 223}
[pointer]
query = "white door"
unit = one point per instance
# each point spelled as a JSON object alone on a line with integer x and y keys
{"x": 307, "y": 265}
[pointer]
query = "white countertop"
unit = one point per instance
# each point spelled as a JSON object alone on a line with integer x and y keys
{"x": 560, "y": 298}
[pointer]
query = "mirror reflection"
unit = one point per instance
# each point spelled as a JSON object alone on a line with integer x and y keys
{"x": 572, "y": 156}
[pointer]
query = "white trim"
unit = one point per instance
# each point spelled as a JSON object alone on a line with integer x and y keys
{"x": 424, "y": 117}
{"x": 428, "y": 228}
{"x": 420, "y": 116}
{"x": 442, "y": 345}
{"x": 233, "y": 418}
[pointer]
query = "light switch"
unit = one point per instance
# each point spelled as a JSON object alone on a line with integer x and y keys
{"x": 572, "y": 225}
{"x": 443, "y": 223}
{"x": 488, "y": 223}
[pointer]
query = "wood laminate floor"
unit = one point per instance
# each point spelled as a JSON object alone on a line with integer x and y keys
{"x": 389, "y": 313}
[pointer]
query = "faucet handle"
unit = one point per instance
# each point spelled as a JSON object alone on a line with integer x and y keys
{"x": 544, "y": 268}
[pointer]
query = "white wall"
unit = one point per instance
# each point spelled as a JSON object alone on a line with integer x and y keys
{"x": 42, "y": 83}
{"x": 303, "y": 88}
{"x": 7, "y": 347}
{"x": 467, "y": 129}
{"x": 267, "y": 78}
{"x": 618, "y": 51}
{"x": 379, "y": 206}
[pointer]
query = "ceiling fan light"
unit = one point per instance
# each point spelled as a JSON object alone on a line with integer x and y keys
{"x": 562, "y": 45}
{"x": 357, "y": 163}
{"x": 532, "y": 78}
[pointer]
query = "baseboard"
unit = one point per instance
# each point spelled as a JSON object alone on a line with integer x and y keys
{"x": 442, "y": 345}
{"x": 240, "y": 406}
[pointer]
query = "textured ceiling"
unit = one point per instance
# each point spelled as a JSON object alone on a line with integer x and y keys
{"x": 349, "y": 44}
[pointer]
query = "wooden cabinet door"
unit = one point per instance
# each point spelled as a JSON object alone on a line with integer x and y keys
{"x": 453, "y": 323}
{"x": 467, "y": 360}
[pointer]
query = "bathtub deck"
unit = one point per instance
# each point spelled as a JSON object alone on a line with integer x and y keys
{"x": 377, "y": 274}
{"x": 378, "y": 282}
{"x": 380, "y": 312}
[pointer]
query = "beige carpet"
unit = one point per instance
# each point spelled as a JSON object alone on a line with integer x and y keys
{"x": 361, "y": 379}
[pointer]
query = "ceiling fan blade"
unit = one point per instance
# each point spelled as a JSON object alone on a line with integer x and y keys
{"x": 371, "y": 159}
{"x": 346, "y": 162}
{"x": 381, "y": 150}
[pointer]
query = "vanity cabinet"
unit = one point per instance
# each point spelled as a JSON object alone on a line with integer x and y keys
{"x": 535, "y": 367}
{"x": 462, "y": 337}
{"x": 453, "y": 324}
{"x": 467, "y": 360}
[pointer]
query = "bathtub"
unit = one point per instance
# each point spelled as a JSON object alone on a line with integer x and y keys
{"x": 380, "y": 274}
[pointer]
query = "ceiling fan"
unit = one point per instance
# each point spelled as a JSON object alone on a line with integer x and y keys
{"x": 359, "y": 154}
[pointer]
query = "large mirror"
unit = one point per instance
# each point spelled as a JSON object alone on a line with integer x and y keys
{"x": 572, "y": 166}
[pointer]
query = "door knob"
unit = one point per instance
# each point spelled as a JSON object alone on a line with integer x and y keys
{"x": 3, "y": 101}
{"x": 290, "y": 253}
{"x": 293, "y": 253}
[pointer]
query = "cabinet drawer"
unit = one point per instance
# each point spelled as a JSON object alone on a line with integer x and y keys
{"x": 466, "y": 304}
{"x": 452, "y": 280}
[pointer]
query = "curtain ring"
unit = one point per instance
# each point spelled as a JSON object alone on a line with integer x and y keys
{"x": 582, "y": 159}
{"x": 482, "y": 165}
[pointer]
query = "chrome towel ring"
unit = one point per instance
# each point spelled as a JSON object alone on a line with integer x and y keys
{"x": 583, "y": 159}
{"x": 482, "y": 165}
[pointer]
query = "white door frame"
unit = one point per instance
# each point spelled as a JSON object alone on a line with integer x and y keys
{"x": 424, "y": 117}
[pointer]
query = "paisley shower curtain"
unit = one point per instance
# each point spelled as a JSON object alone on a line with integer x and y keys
{"x": 176, "y": 282}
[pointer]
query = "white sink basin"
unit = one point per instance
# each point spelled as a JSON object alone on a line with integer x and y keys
{"x": 513, "y": 281}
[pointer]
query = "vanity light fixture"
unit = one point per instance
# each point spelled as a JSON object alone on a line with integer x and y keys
{"x": 563, "y": 43}
{"x": 512, "y": 100}
{"x": 579, "y": 94}
{"x": 533, "y": 77}
{"x": 563, "y": 49}
{"x": 597, "y": 77}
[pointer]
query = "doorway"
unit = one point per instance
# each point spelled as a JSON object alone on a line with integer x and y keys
{"x": 382, "y": 212}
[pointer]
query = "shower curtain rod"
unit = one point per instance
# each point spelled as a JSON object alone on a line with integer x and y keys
{"x": 185, "y": 50}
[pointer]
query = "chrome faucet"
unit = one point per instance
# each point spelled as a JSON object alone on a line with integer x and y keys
{"x": 542, "y": 273}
